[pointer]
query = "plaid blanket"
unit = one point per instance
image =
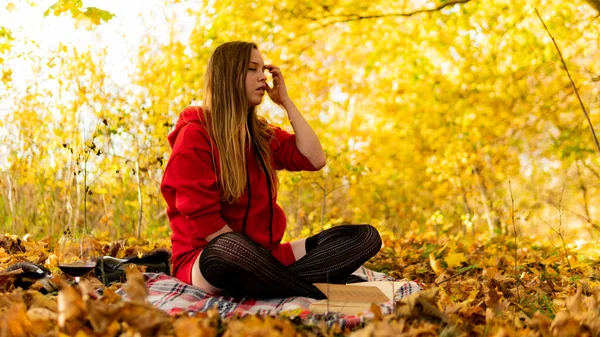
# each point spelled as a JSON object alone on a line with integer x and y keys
{"x": 173, "y": 296}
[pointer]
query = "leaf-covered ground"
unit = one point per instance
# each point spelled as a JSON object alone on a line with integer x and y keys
{"x": 471, "y": 289}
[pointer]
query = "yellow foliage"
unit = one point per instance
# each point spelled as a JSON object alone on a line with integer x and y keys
{"x": 422, "y": 126}
{"x": 454, "y": 260}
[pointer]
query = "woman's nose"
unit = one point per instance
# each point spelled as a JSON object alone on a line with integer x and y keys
{"x": 262, "y": 77}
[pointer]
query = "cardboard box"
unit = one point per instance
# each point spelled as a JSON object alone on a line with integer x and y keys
{"x": 354, "y": 298}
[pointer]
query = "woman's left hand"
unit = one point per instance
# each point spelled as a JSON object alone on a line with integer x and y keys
{"x": 278, "y": 92}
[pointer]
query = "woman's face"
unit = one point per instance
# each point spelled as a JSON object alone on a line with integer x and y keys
{"x": 255, "y": 79}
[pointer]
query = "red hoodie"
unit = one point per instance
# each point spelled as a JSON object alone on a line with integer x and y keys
{"x": 194, "y": 206}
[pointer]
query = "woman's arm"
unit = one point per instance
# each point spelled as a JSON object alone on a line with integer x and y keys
{"x": 306, "y": 140}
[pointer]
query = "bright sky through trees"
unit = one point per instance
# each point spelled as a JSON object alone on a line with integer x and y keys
{"x": 121, "y": 35}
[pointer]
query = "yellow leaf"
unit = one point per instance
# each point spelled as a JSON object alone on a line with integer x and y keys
{"x": 81, "y": 333}
{"x": 576, "y": 264}
{"x": 436, "y": 266}
{"x": 84, "y": 22}
{"x": 472, "y": 296}
{"x": 11, "y": 7}
{"x": 6, "y": 75}
{"x": 376, "y": 310}
{"x": 455, "y": 259}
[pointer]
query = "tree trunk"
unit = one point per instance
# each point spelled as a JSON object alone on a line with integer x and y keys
{"x": 486, "y": 201}
{"x": 298, "y": 229}
{"x": 77, "y": 212}
{"x": 11, "y": 203}
{"x": 323, "y": 206}
{"x": 584, "y": 191}
{"x": 468, "y": 210}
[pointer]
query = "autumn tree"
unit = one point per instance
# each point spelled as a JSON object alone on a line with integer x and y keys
{"x": 425, "y": 110}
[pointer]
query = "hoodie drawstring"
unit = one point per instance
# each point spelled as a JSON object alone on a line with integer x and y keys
{"x": 249, "y": 195}
{"x": 270, "y": 198}
{"x": 271, "y": 210}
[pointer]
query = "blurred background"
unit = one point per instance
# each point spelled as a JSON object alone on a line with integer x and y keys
{"x": 436, "y": 116}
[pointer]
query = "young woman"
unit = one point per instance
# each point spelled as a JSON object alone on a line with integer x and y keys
{"x": 220, "y": 185}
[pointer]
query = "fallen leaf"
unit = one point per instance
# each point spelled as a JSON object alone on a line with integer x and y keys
{"x": 102, "y": 315}
{"x": 43, "y": 321}
{"x": 455, "y": 259}
{"x": 70, "y": 308}
{"x": 41, "y": 314}
{"x": 542, "y": 323}
{"x": 575, "y": 306}
{"x": 564, "y": 325}
{"x": 136, "y": 285}
{"x": 421, "y": 304}
{"x": 255, "y": 326}
{"x": 382, "y": 329}
{"x": 7, "y": 279}
{"x": 376, "y": 310}
{"x": 35, "y": 299}
{"x": 14, "y": 322}
{"x": 490, "y": 272}
{"x": 144, "y": 318}
{"x": 492, "y": 297}
{"x": 505, "y": 332}
{"x": 190, "y": 326}
{"x": 436, "y": 265}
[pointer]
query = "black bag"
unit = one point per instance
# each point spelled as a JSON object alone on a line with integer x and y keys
{"x": 110, "y": 269}
{"x": 30, "y": 274}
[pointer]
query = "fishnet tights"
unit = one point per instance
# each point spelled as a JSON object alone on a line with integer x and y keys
{"x": 235, "y": 263}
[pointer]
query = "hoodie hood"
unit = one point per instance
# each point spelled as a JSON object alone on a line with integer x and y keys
{"x": 193, "y": 115}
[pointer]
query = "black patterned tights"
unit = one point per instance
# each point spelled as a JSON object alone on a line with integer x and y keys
{"x": 241, "y": 267}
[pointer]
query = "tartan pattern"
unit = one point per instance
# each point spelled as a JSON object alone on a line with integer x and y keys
{"x": 173, "y": 296}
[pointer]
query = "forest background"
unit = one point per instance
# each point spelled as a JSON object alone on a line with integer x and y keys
{"x": 435, "y": 115}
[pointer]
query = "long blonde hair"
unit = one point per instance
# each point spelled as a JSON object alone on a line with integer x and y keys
{"x": 231, "y": 122}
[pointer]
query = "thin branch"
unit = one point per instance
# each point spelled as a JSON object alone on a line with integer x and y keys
{"x": 584, "y": 190}
{"x": 341, "y": 18}
{"x": 579, "y": 215}
{"x": 512, "y": 215}
{"x": 467, "y": 269}
{"x": 318, "y": 185}
{"x": 591, "y": 169}
{"x": 559, "y": 232}
{"x": 561, "y": 236}
{"x": 560, "y": 214}
{"x": 572, "y": 82}
{"x": 354, "y": 17}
